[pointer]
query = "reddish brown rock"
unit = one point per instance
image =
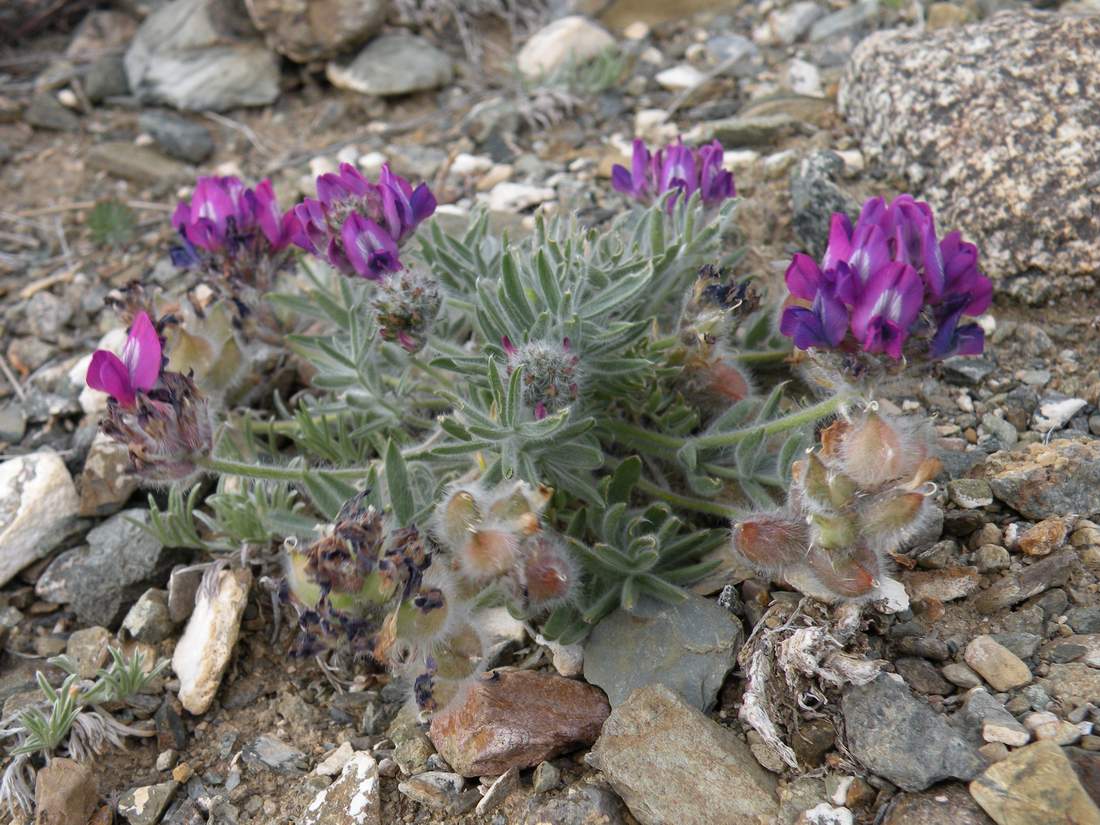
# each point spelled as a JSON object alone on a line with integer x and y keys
{"x": 1044, "y": 538}
{"x": 942, "y": 585}
{"x": 517, "y": 718}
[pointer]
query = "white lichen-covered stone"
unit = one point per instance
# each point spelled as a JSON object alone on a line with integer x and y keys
{"x": 204, "y": 650}
{"x": 38, "y": 501}
{"x": 997, "y": 124}
{"x": 353, "y": 799}
{"x": 573, "y": 38}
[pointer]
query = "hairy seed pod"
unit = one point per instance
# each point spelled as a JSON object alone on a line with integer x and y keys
{"x": 847, "y": 576}
{"x": 832, "y": 532}
{"x": 550, "y": 576}
{"x": 770, "y": 541}
{"x": 457, "y": 516}
{"x": 488, "y": 553}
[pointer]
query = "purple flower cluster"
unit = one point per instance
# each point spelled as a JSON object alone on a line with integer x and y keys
{"x": 227, "y": 219}
{"x": 359, "y": 226}
{"x": 884, "y": 280}
{"x": 675, "y": 168}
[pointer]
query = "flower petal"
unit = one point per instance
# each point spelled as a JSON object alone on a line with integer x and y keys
{"x": 108, "y": 374}
{"x": 804, "y": 277}
{"x": 142, "y": 353}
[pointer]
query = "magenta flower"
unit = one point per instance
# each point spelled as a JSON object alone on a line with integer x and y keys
{"x": 358, "y": 226}
{"x": 884, "y": 280}
{"x": 137, "y": 370}
{"x": 678, "y": 169}
{"x": 238, "y": 237}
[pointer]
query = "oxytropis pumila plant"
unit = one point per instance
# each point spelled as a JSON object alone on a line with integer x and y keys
{"x": 564, "y": 424}
{"x": 887, "y": 293}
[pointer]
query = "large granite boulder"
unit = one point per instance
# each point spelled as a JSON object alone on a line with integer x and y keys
{"x": 997, "y": 124}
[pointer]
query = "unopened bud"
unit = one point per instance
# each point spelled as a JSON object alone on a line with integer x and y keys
{"x": 488, "y": 553}
{"x": 406, "y": 308}
{"x": 551, "y": 375}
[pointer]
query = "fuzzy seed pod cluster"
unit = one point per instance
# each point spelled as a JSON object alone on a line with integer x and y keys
{"x": 861, "y": 495}
{"x": 405, "y": 307}
{"x": 409, "y": 600}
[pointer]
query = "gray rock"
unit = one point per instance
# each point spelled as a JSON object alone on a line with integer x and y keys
{"x": 46, "y": 112}
{"x": 106, "y": 78}
{"x": 1073, "y": 684}
{"x": 670, "y": 763}
{"x": 922, "y": 676}
{"x": 148, "y": 620}
{"x": 689, "y": 648}
{"x": 146, "y": 805}
{"x": 306, "y": 30}
{"x": 582, "y": 804}
{"x": 790, "y": 24}
{"x": 353, "y": 799}
{"x": 853, "y": 20}
{"x": 88, "y": 650}
{"x": 102, "y": 580}
{"x": 571, "y": 39}
{"x": 183, "y": 584}
{"x": 1014, "y": 588}
{"x": 38, "y": 505}
{"x": 13, "y": 423}
{"x": 740, "y": 53}
{"x": 395, "y": 64}
{"x": 139, "y": 164}
{"x": 966, "y": 370}
{"x": 1084, "y": 619}
{"x": 1011, "y": 166}
{"x": 545, "y": 778}
{"x": 440, "y": 790}
{"x": 901, "y": 738}
{"x": 1003, "y": 432}
{"x": 815, "y": 196}
{"x": 47, "y": 315}
{"x": 202, "y": 55}
{"x": 177, "y": 136}
{"x": 1044, "y": 480}
{"x": 983, "y": 719}
{"x": 275, "y": 754}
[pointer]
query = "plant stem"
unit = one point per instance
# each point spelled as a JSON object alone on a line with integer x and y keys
{"x": 699, "y": 505}
{"x": 807, "y": 415}
{"x": 762, "y": 357}
{"x": 642, "y": 438}
{"x": 273, "y": 472}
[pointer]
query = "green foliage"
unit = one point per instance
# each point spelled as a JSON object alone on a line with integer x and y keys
{"x": 111, "y": 223}
{"x": 43, "y": 731}
{"x": 578, "y": 357}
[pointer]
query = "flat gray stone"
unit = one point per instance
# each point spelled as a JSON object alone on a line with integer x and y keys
{"x": 689, "y": 648}
{"x": 901, "y": 738}
{"x": 394, "y": 64}
{"x": 671, "y": 764}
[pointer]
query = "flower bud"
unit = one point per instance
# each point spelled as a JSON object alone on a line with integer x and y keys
{"x": 405, "y": 308}
{"x": 551, "y": 375}
{"x": 423, "y": 617}
{"x": 168, "y": 429}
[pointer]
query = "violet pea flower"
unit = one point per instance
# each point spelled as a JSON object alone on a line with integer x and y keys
{"x": 890, "y": 303}
{"x": 136, "y": 371}
{"x": 715, "y": 183}
{"x": 369, "y": 248}
{"x": 636, "y": 181}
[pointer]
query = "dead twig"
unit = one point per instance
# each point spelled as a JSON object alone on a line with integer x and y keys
{"x": 258, "y": 143}
{"x": 73, "y": 207}
{"x": 15, "y": 385}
